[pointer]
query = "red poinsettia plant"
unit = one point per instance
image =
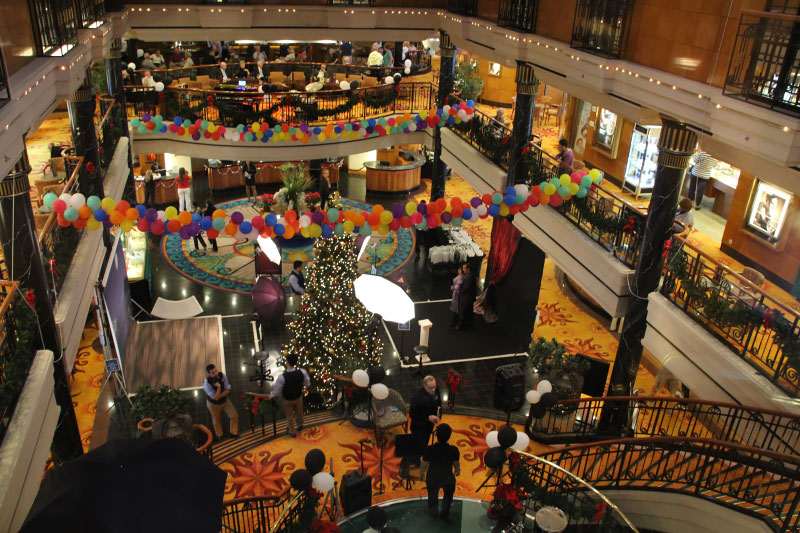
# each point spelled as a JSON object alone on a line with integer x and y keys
{"x": 324, "y": 526}
{"x": 454, "y": 380}
{"x": 313, "y": 199}
{"x": 507, "y": 501}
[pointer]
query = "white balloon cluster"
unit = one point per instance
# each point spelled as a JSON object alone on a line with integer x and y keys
{"x": 462, "y": 113}
{"x": 543, "y": 387}
{"x": 345, "y": 85}
{"x": 521, "y": 444}
{"x": 361, "y": 379}
{"x": 388, "y": 79}
{"x": 159, "y": 86}
{"x": 132, "y": 66}
{"x": 322, "y": 481}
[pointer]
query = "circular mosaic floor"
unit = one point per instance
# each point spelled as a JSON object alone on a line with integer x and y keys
{"x": 232, "y": 268}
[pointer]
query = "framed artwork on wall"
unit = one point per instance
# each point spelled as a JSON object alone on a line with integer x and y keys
{"x": 494, "y": 69}
{"x": 768, "y": 212}
{"x": 606, "y": 132}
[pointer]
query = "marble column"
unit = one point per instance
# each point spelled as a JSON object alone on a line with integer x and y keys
{"x": 676, "y": 144}
{"x": 446, "y": 80}
{"x": 23, "y": 260}
{"x": 81, "y": 106}
{"x": 116, "y": 90}
{"x": 527, "y": 85}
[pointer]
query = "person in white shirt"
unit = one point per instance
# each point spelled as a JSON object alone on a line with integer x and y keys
{"x": 258, "y": 54}
{"x": 147, "y": 62}
{"x": 222, "y": 72}
{"x": 147, "y": 79}
{"x": 322, "y": 74}
{"x": 187, "y": 61}
{"x": 699, "y": 174}
{"x": 375, "y": 58}
{"x": 259, "y": 71}
{"x": 157, "y": 58}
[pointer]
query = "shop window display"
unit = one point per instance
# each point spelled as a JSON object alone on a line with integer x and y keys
{"x": 768, "y": 211}
{"x": 640, "y": 172}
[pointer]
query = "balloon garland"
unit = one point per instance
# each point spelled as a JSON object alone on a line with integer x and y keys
{"x": 80, "y": 212}
{"x": 304, "y": 132}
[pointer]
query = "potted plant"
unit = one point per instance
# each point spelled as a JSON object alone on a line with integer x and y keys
{"x": 506, "y": 503}
{"x": 296, "y": 182}
{"x": 162, "y": 410}
{"x": 549, "y": 360}
{"x": 468, "y": 80}
{"x": 267, "y": 201}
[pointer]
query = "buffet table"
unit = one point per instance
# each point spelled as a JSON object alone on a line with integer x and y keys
{"x": 233, "y": 176}
{"x": 166, "y": 189}
{"x": 396, "y": 173}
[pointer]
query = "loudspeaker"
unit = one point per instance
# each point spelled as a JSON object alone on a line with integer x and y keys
{"x": 509, "y": 387}
{"x": 356, "y": 492}
{"x": 594, "y": 379}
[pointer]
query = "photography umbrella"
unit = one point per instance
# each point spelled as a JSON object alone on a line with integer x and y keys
{"x": 269, "y": 300}
{"x": 382, "y": 297}
{"x": 131, "y": 485}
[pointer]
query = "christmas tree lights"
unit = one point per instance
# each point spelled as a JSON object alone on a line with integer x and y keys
{"x": 330, "y": 330}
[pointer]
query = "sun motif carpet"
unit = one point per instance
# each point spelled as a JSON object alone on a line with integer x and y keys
{"x": 86, "y": 381}
{"x": 232, "y": 268}
{"x": 265, "y": 470}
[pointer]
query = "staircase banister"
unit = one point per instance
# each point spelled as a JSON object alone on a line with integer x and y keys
{"x": 249, "y": 499}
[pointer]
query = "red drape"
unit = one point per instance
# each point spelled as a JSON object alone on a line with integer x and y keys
{"x": 505, "y": 243}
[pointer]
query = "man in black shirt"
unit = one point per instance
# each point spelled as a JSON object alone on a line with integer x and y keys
{"x": 425, "y": 411}
{"x": 289, "y": 386}
{"x": 440, "y": 461}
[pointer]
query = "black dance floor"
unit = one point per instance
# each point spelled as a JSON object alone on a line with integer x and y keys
{"x": 446, "y": 344}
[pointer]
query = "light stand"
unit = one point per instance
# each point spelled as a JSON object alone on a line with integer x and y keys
{"x": 490, "y": 476}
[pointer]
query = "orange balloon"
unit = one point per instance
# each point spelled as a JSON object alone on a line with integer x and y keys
{"x": 230, "y": 229}
{"x": 122, "y": 206}
{"x": 116, "y": 217}
{"x": 377, "y": 209}
{"x": 185, "y": 218}
{"x": 132, "y": 214}
{"x": 85, "y": 211}
{"x": 289, "y": 233}
{"x": 374, "y": 219}
{"x": 441, "y": 203}
{"x": 358, "y": 219}
{"x": 173, "y": 226}
{"x": 219, "y": 213}
{"x": 290, "y": 216}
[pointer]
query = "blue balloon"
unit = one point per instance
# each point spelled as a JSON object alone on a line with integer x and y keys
{"x": 100, "y": 215}
{"x": 439, "y": 112}
{"x": 178, "y": 121}
{"x": 337, "y": 129}
{"x": 196, "y": 217}
{"x": 356, "y": 126}
{"x": 510, "y": 199}
{"x": 270, "y": 219}
{"x": 494, "y": 210}
{"x": 163, "y": 129}
{"x": 317, "y": 130}
{"x": 467, "y": 214}
{"x": 265, "y": 138}
{"x": 245, "y": 227}
{"x": 371, "y": 123}
{"x": 279, "y": 229}
{"x": 326, "y": 231}
{"x": 205, "y": 223}
{"x": 510, "y": 190}
{"x": 142, "y": 210}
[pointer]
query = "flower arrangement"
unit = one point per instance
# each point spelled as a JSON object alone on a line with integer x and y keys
{"x": 324, "y": 526}
{"x": 258, "y": 405}
{"x": 296, "y": 182}
{"x": 506, "y": 502}
{"x": 313, "y": 199}
{"x": 267, "y": 201}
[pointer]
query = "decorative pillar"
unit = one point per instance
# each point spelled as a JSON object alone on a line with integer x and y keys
{"x": 23, "y": 260}
{"x": 676, "y": 144}
{"x": 527, "y": 85}
{"x": 398, "y": 54}
{"x": 447, "y": 71}
{"x": 81, "y": 106}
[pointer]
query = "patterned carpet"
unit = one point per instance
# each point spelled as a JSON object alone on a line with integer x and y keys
{"x": 231, "y": 269}
{"x": 86, "y": 381}
{"x": 265, "y": 470}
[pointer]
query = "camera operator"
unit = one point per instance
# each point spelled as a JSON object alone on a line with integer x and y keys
{"x": 217, "y": 389}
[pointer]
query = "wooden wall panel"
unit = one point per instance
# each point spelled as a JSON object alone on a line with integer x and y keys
{"x": 555, "y": 18}
{"x": 16, "y": 34}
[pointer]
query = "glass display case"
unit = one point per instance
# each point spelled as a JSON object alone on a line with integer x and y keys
{"x": 640, "y": 172}
{"x": 136, "y": 254}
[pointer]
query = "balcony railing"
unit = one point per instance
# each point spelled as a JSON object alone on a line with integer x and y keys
{"x": 765, "y": 63}
{"x": 754, "y": 325}
{"x": 485, "y": 134}
{"x": 109, "y": 130}
{"x": 468, "y": 8}
{"x": 231, "y": 108}
{"x": 351, "y": 3}
{"x": 55, "y": 26}
{"x": 5, "y": 94}
{"x": 254, "y": 515}
{"x": 519, "y": 15}
{"x": 58, "y": 243}
{"x": 13, "y": 370}
{"x": 601, "y": 27}
{"x": 577, "y": 420}
{"x": 762, "y": 484}
{"x": 90, "y": 11}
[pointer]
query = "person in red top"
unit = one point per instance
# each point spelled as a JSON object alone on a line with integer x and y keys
{"x": 184, "y": 192}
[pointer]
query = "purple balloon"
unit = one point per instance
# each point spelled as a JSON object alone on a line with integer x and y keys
{"x": 304, "y": 127}
{"x": 405, "y": 130}
{"x": 151, "y": 215}
{"x": 447, "y": 217}
{"x": 422, "y": 208}
{"x": 317, "y": 217}
{"x": 475, "y": 202}
{"x": 184, "y": 232}
{"x": 237, "y": 217}
{"x": 356, "y": 126}
{"x": 196, "y": 136}
{"x": 398, "y": 210}
{"x": 146, "y": 117}
{"x": 107, "y": 223}
{"x": 370, "y": 129}
{"x": 195, "y": 227}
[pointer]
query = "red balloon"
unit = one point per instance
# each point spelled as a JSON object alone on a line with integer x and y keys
{"x": 207, "y": 134}
{"x": 157, "y": 227}
{"x": 215, "y": 135}
{"x": 394, "y": 225}
{"x": 174, "y": 226}
{"x": 172, "y": 128}
{"x": 79, "y": 223}
{"x": 221, "y": 130}
{"x": 416, "y": 218}
{"x": 441, "y": 203}
{"x": 198, "y": 124}
{"x": 192, "y": 129}
{"x": 151, "y": 125}
{"x": 212, "y": 233}
{"x": 533, "y": 199}
{"x": 59, "y": 206}
{"x": 487, "y": 199}
{"x": 143, "y": 224}
{"x": 63, "y": 222}
{"x": 513, "y": 210}
{"x": 405, "y": 222}
{"x": 433, "y": 221}
{"x": 284, "y": 128}
{"x": 241, "y": 136}
{"x": 257, "y": 222}
{"x": 452, "y": 111}
{"x": 524, "y": 206}
{"x": 555, "y": 200}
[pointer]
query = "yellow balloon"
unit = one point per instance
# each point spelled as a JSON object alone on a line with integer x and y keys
{"x": 383, "y": 229}
{"x": 573, "y": 188}
{"x": 316, "y": 230}
{"x": 212, "y": 127}
{"x": 423, "y": 114}
{"x": 564, "y": 179}
{"x": 411, "y": 208}
{"x": 503, "y": 210}
{"x": 549, "y": 189}
{"x": 305, "y": 232}
{"x": 93, "y": 224}
{"x": 126, "y": 225}
{"x": 108, "y": 204}
{"x": 334, "y": 136}
{"x": 595, "y": 174}
{"x": 171, "y": 212}
{"x": 386, "y": 217}
{"x": 321, "y": 137}
{"x": 255, "y": 126}
{"x": 348, "y": 226}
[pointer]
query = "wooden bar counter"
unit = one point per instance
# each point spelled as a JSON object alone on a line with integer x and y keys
{"x": 402, "y": 174}
{"x": 166, "y": 190}
{"x": 233, "y": 176}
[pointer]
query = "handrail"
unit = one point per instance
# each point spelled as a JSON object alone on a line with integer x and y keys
{"x": 769, "y": 14}
{"x": 746, "y": 283}
{"x": 253, "y": 513}
{"x": 581, "y": 481}
{"x": 51, "y": 220}
{"x": 286, "y": 510}
{"x": 258, "y": 94}
{"x": 8, "y": 297}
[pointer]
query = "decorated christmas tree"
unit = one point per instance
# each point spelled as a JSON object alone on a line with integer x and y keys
{"x": 330, "y": 330}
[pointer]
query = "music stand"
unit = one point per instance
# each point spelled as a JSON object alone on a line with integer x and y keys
{"x": 407, "y": 446}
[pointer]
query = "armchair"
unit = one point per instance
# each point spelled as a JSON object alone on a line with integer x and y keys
{"x": 390, "y": 412}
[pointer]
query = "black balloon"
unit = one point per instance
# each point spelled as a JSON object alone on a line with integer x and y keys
{"x": 300, "y": 479}
{"x": 495, "y": 457}
{"x": 397, "y": 77}
{"x": 355, "y": 84}
{"x": 168, "y": 80}
{"x": 538, "y": 410}
{"x": 315, "y": 461}
{"x": 376, "y": 375}
{"x": 548, "y": 399}
{"x": 376, "y": 517}
{"x": 507, "y": 436}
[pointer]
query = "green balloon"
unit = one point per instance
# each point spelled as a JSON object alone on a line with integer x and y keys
{"x": 338, "y": 230}
{"x": 348, "y": 127}
{"x": 366, "y": 230}
{"x": 333, "y": 214}
{"x": 142, "y": 129}
{"x": 520, "y": 199}
{"x": 204, "y": 125}
{"x": 158, "y": 119}
{"x": 456, "y": 222}
{"x": 292, "y": 130}
{"x": 218, "y": 224}
{"x": 135, "y": 122}
{"x": 563, "y": 192}
{"x": 423, "y": 224}
{"x": 93, "y": 202}
{"x": 71, "y": 214}
{"x": 51, "y": 197}
{"x": 582, "y": 192}
{"x": 187, "y": 123}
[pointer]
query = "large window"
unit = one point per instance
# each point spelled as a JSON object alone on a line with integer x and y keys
{"x": 765, "y": 64}
{"x": 601, "y": 26}
{"x": 518, "y": 15}
{"x": 55, "y": 26}
{"x": 90, "y": 11}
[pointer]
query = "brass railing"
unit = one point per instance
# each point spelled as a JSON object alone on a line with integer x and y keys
{"x": 759, "y": 328}
{"x": 254, "y": 515}
{"x": 577, "y": 420}
{"x": 58, "y": 243}
{"x": 109, "y": 128}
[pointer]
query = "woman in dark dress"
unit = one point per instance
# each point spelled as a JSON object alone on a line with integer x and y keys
{"x": 209, "y": 212}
